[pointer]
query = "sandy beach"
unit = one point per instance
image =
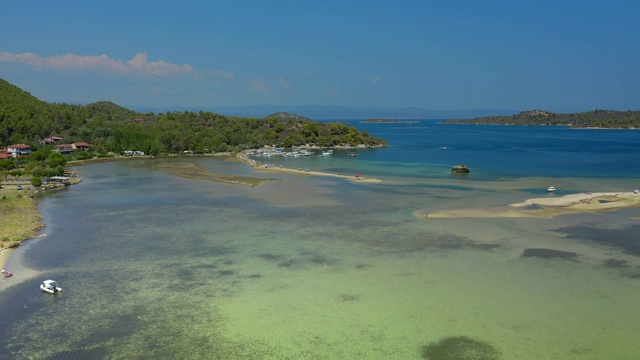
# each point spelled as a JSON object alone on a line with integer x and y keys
{"x": 546, "y": 207}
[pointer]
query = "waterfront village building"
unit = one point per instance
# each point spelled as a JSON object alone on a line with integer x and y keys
{"x": 70, "y": 148}
{"x": 4, "y": 154}
{"x": 64, "y": 149}
{"x": 50, "y": 140}
{"x": 18, "y": 150}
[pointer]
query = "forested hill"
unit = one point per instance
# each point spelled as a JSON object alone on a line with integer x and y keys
{"x": 592, "y": 119}
{"x": 110, "y": 128}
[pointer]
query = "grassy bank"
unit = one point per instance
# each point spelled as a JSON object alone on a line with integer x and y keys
{"x": 19, "y": 217}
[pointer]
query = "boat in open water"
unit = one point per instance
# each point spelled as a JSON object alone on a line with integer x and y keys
{"x": 50, "y": 286}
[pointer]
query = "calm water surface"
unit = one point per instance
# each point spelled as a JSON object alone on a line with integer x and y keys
{"x": 155, "y": 266}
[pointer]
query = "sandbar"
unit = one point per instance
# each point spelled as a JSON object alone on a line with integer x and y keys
{"x": 587, "y": 201}
{"x": 259, "y": 168}
{"x": 305, "y": 172}
{"x": 545, "y": 207}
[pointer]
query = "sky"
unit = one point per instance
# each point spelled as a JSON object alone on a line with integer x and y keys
{"x": 561, "y": 56}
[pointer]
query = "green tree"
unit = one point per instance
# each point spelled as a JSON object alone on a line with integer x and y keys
{"x": 56, "y": 159}
{"x": 36, "y": 181}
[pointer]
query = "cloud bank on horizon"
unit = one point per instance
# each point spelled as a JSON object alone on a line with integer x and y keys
{"x": 138, "y": 65}
{"x": 439, "y": 55}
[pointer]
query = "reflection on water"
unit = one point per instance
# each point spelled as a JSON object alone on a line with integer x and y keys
{"x": 157, "y": 266}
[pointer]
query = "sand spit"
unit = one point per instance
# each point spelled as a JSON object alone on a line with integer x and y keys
{"x": 267, "y": 169}
{"x": 546, "y": 207}
{"x": 304, "y": 172}
{"x": 587, "y": 201}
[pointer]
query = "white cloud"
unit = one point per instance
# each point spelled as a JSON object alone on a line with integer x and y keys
{"x": 221, "y": 73}
{"x": 258, "y": 86}
{"x": 139, "y": 65}
{"x": 375, "y": 80}
{"x": 306, "y": 72}
{"x": 284, "y": 83}
{"x": 332, "y": 92}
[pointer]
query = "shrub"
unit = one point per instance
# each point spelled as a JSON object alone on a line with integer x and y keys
{"x": 36, "y": 181}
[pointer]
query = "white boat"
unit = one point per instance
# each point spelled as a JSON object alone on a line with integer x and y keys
{"x": 326, "y": 153}
{"x": 551, "y": 189}
{"x": 50, "y": 286}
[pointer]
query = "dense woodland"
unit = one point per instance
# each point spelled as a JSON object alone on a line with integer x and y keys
{"x": 110, "y": 128}
{"x": 592, "y": 119}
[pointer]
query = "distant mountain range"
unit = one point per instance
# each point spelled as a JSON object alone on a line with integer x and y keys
{"x": 331, "y": 112}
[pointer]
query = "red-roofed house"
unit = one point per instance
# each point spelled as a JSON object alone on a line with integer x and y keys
{"x": 4, "y": 154}
{"x": 47, "y": 141}
{"x": 18, "y": 150}
{"x": 64, "y": 148}
{"x": 82, "y": 146}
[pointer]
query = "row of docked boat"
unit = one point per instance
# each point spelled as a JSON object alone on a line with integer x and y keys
{"x": 281, "y": 153}
{"x": 292, "y": 153}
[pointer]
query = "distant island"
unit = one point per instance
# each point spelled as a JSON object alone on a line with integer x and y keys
{"x": 388, "y": 121}
{"x": 607, "y": 119}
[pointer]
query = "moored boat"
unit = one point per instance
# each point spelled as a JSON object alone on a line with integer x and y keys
{"x": 50, "y": 286}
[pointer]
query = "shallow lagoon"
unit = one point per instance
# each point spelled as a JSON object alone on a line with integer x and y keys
{"x": 157, "y": 266}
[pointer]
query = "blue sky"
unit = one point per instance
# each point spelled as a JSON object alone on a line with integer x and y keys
{"x": 561, "y": 56}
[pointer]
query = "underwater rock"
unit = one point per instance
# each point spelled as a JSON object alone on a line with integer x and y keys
{"x": 460, "y": 348}
{"x": 549, "y": 254}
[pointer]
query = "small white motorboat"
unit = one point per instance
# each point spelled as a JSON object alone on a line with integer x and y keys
{"x": 551, "y": 189}
{"x": 50, "y": 286}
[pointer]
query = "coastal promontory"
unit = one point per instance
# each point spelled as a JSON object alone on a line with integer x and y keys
{"x": 592, "y": 119}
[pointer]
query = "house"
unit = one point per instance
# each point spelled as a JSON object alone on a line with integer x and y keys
{"x": 47, "y": 141}
{"x": 50, "y": 140}
{"x": 19, "y": 150}
{"x": 4, "y": 154}
{"x": 82, "y": 146}
{"x": 64, "y": 149}
{"x": 139, "y": 119}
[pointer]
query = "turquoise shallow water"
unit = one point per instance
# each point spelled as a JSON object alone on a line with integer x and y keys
{"x": 157, "y": 266}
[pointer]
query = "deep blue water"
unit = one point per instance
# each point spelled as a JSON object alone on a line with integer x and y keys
{"x": 429, "y": 149}
{"x": 508, "y": 151}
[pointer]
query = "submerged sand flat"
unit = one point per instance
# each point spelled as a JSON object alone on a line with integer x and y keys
{"x": 547, "y": 207}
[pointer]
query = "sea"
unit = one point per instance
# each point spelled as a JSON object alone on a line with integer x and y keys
{"x": 158, "y": 266}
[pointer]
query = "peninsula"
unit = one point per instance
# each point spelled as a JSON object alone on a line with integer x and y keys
{"x": 604, "y": 119}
